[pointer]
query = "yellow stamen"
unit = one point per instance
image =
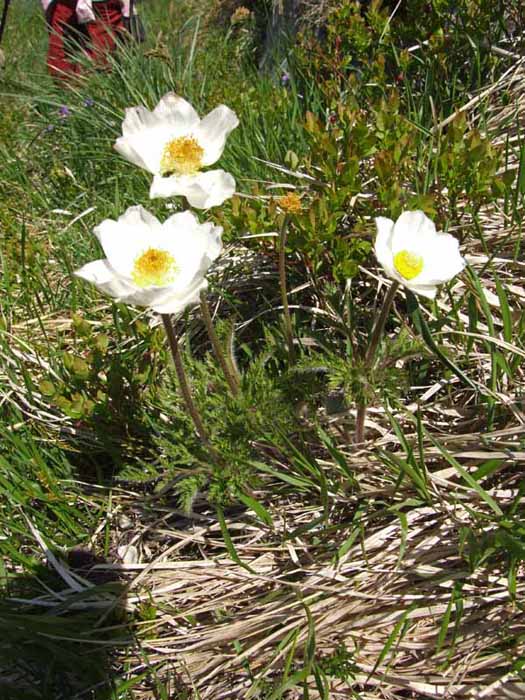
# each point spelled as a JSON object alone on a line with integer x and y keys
{"x": 182, "y": 156}
{"x": 290, "y": 203}
{"x": 408, "y": 264}
{"x": 154, "y": 268}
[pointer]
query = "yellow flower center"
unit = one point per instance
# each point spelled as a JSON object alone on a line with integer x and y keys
{"x": 290, "y": 203}
{"x": 154, "y": 268}
{"x": 408, "y": 264}
{"x": 182, "y": 156}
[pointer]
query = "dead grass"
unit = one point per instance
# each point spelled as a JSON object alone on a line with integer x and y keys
{"x": 394, "y": 585}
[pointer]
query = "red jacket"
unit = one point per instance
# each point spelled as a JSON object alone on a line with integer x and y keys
{"x": 84, "y": 9}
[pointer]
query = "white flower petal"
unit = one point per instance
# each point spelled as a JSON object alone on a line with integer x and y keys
{"x": 104, "y": 278}
{"x": 442, "y": 260}
{"x": 176, "y": 112}
{"x": 413, "y": 231}
{"x": 145, "y": 148}
{"x": 123, "y": 240}
{"x": 383, "y": 245}
{"x": 175, "y": 304}
{"x": 137, "y": 120}
{"x": 192, "y": 245}
{"x": 125, "y": 147}
{"x": 166, "y": 186}
{"x": 213, "y": 131}
{"x": 429, "y": 291}
{"x": 145, "y": 134}
{"x": 188, "y": 233}
{"x": 202, "y": 190}
{"x": 148, "y": 296}
{"x": 181, "y": 223}
{"x": 416, "y": 234}
{"x": 138, "y": 216}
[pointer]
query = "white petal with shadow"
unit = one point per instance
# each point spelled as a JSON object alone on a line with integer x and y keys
{"x": 202, "y": 190}
{"x": 413, "y": 231}
{"x": 127, "y": 150}
{"x": 429, "y": 291}
{"x": 104, "y": 278}
{"x": 382, "y": 246}
{"x": 175, "y": 304}
{"x": 146, "y": 148}
{"x": 191, "y": 236}
{"x": 442, "y": 259}
{"x": 136, "y": 120}
{"x": 213, "y": 131}
{"x": 123, "y": 240}
{"x": 176, "y": 112}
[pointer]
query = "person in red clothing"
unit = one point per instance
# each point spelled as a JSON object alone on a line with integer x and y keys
{"x": 89, "y": 26}
{"x": 104, "y": 31}
{"x": 66, "y": 37}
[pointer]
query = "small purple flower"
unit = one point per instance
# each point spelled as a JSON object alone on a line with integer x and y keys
{"x": 50, "y": 127}
{"x": 64, "y": 112}
{"x": 89, "y": 102}
{"x": 285, "y": 78}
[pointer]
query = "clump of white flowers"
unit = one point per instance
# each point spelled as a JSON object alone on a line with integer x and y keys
{"x": 163, "y": 266}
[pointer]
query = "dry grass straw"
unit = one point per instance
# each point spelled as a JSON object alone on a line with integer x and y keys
{"x": 395, "y": 575}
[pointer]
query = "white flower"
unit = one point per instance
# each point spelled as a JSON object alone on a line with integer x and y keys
{"x": 174, "y": 144}
{"x": 161, "y": 266}
{"x": 414, "y": 254}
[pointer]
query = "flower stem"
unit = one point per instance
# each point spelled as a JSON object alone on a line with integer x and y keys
{"x": 377, "y": 332}
{"x": 284, "y": 293}
{"x": 183, "y": 380}
{"x": 380, "y": 325}
{"x": 227, "y": 369}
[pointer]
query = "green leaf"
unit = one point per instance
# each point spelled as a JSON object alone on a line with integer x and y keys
{"x": 290, "y": 683}
{"x": 257, "y": 508}
{"x": 506, "y": 315}
{"x": 229, "y": 542}
{"x": 468, "y": 478}
{"x": 423, "y": 329}
{"x": 397, "y": 634}
{"x": 417, "y": 479}
{"x": 47, "y": 388}
{"x": 444, "y": 624}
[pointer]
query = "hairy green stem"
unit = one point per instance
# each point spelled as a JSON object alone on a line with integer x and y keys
{"x": 183, "y": 380}
{"x": 284, "y": 294}
{"x": 375, "y": 339}
{"x": 227, "y": 369}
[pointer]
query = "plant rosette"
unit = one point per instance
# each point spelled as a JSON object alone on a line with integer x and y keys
{"x": 161, "y": 266}
{"x": 174, "y": 144}
{"x": 413, "y": 253}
